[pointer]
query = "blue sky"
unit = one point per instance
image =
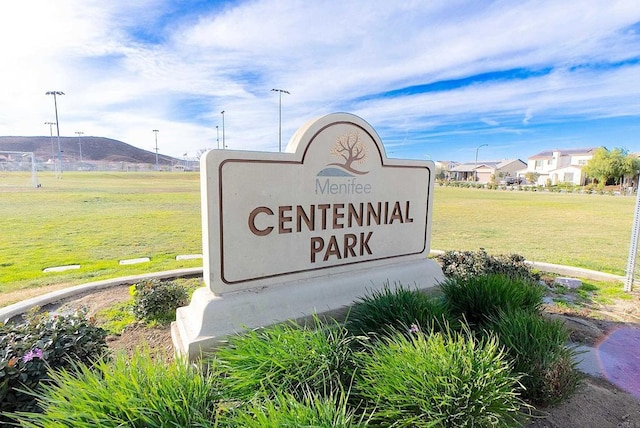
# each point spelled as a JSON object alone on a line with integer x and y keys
{"x": 436, "y": 79}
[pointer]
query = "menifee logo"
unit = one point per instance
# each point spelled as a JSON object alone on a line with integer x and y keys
{"x": 333, "y": 202}
{"x": 351, "y": 150}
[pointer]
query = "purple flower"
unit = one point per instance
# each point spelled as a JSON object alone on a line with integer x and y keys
{"x": 414, "y": 329}
{"x": 34, "y": 353}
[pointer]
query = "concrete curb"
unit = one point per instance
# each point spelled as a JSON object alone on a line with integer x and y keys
{"x": 576, "y": 271}
{"x": 8, "y": 312}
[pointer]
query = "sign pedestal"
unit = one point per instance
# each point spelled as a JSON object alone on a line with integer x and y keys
{"x": 202, "y": 325}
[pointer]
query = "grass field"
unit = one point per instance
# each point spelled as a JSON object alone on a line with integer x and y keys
{"x": 589, "y": 231}
{"x": 96, "y": 219}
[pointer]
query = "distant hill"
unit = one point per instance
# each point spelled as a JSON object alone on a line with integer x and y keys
{"x": 93, "y": 149}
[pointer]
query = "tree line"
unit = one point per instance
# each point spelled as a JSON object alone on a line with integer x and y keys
{"x": 611, "y": 166}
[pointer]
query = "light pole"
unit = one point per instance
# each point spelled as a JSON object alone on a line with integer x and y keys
{"x": 280, "y": 91}
{"x": 224, "y": 145}
{"x": 155, "y": 131}
{"x": 53, "y": 152}
{"x": 79, "y": 133}
{"x": 55, "y": 104}
{"x": 475, "y": 169}
{"x": 218, "y": 137}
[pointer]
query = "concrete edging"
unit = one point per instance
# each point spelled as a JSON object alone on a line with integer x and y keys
{"x": 8, "y": 312}
{"x": 576, "y": 271}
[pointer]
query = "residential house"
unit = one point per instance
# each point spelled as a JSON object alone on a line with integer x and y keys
{"x": 484, "y": 171}
{"x": 560, "y": 166}
{"x": 443, "y": 169}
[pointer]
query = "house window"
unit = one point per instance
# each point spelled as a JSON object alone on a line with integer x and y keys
{"x": 538, "y": 164}
{"x": 582, "y": 161}
{"x": 549, "y": 161}
{"x": 568, "y": 177}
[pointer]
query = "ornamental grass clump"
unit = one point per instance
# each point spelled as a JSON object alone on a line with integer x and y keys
{"x": 287, "y": 358}
{"x": 137, "y": 391}
{"x": 285, "y": 410}
{"x": 387, "y": 311}
{"x": 538, "y": 348}
{"x": 439, "y": 380}
{"x": 477, "y": 299}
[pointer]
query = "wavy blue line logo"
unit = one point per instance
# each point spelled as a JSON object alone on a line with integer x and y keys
{"x": 351, "y": 151}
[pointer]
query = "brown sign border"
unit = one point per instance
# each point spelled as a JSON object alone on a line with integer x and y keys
{"x": 301, "y": 162}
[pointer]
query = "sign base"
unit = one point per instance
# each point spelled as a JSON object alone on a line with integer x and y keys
{"x": 209, "y": 318}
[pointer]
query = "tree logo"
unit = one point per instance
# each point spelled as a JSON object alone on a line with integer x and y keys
{"x": 350, "y": 149}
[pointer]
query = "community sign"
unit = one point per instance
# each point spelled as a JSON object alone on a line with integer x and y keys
{"x": 332, "y": 203}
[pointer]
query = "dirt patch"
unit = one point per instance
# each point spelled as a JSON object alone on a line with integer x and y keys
{"x": 92, "y": 302}
{"x": 135, "y": 336}
{"x": 157, "y": 340}
{"x": 596, "y": 403}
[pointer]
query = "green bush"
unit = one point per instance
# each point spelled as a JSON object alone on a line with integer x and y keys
{"x": 479, "y": 298}
{"x": 438, "y": 380}
{"x": 287, "y": 358}
{"x": 155, "y": 300}
{"x": 389, "y": 310}
{"x": 466, "y": 264}
{"x": 539, "y": 351}
{"x": 285, "y": 410}
{"x": 138, "y": 391}
{"x": 28, "y": 350}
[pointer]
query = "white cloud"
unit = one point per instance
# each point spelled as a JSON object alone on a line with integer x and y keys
{"x": 327, "y": 54}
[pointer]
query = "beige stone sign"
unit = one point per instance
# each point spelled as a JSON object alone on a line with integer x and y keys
{"x": 310, "y": 228}
{"x": 334, "y": 202}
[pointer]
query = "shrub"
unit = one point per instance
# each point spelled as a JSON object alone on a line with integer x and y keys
{"x": 137, "y": 391}
{"x": 285, "y": 410}
{"x": 441, "y": 380}
{"x": 479, "y": 298}
{"x": 466, "y": 264}
{"x": 288, "y": 358}
{"x": 28, "y": 350}
{"x": 389, "y": 310}
{"x": 538, "y": 349}
{"x": 155, "y": 300}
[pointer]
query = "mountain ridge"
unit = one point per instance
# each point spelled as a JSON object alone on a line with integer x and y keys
{"x": 93, "y": 149}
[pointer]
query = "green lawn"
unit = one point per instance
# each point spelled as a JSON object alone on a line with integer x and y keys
{"x": 95, "y": 219}
{"x": 589, "y": 231}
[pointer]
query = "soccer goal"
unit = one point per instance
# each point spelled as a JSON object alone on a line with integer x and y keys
{"x": 20, "y": 162}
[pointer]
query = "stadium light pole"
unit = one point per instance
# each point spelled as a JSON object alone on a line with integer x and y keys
{"x": 155, "y": 131}
{"x": 218, "y": 137}
{"x": 224, "y": 145}
{"x": 280, "y": 92}
{"x": 55, "y": 104}
{"x": 53, "y": 152}
{"x": 79, "y": 133}
{"x": 475, "y": 168}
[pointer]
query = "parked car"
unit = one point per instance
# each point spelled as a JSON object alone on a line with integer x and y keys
{"x": 510, "y": 181}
